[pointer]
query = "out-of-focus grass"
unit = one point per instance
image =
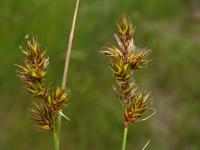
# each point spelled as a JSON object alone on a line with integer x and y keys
{"x": 166, "y": 27}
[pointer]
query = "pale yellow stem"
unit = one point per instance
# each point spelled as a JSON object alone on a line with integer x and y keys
{"x": 67, "y": 63}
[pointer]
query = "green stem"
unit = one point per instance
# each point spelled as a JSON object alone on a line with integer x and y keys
{"x": 124, "y": 138}
{"x": 58, "y": 125}
{"x": 56, "y": 139}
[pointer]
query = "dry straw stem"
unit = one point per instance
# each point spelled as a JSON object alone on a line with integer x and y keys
{"x": 70, "y": 46}
{"x": 67, "y": 62}
{"x": 125, "y": 59}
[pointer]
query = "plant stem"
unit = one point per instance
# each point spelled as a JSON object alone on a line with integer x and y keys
{"x": 56, "y": 140}
{"x": 66, "y": 67}
{"x": 69, "y": 46}
{"x": 124, "y": 138}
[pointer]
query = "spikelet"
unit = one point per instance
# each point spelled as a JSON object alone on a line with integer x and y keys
{"x": 56, "y": 100}
{"x": 137, "y": 60}
{"x": 35, "y": 63}
{"x": 125, "y": 59}
{"x": 135, "y": 108}
{"x": 43, "y": 117}
{"x": 38, "y": 89}
{"x": 33, "y": 73}
{"x": 121, "y": 71}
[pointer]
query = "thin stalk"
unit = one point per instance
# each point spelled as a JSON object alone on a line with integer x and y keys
{"x": 55, "y": 137}
{"x": 124, "y": 138}
{"x": 66, "y": 66}
{"x": 69, "y": 46}
{"x": 56, "y": 140}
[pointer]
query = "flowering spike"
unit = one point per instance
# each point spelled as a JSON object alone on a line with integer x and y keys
{"x": 43, "y": 118}
{"x": 135, "y": 108}
{"x": 38, "y": 89}
{"x": 56, "y": 100}
{"x": 33, "y": 73}
{"x": 125, "y": 59}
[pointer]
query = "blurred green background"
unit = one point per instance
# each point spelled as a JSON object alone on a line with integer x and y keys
{"x": 170, "y": 28}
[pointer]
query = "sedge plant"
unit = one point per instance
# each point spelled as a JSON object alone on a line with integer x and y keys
{"x": 125, "y": 59}
{"x": 49, "y": 100}
{"x": 47, "y": 108}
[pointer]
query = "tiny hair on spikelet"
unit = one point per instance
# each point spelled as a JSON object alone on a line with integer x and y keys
{"x": 33, "y": 73}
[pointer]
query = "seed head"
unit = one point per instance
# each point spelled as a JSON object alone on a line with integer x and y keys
{"x": 125, "y": 59}
{"x": 35, "y": 63}
{"x": 57, "y": 99}
{"x": 135, "y": 108}
{"x": 33, "y": 73}
{"x": 43, "y": 118}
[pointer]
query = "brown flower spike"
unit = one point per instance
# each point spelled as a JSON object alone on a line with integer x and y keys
{"x": 125, "y": 59}
{"x": 43, "y": 117}
{"x": 33, "y": 73}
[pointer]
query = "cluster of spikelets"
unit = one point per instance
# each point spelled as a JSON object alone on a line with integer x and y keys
{"x": 125, "y": 59}
{"x": 33, "y": 72}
